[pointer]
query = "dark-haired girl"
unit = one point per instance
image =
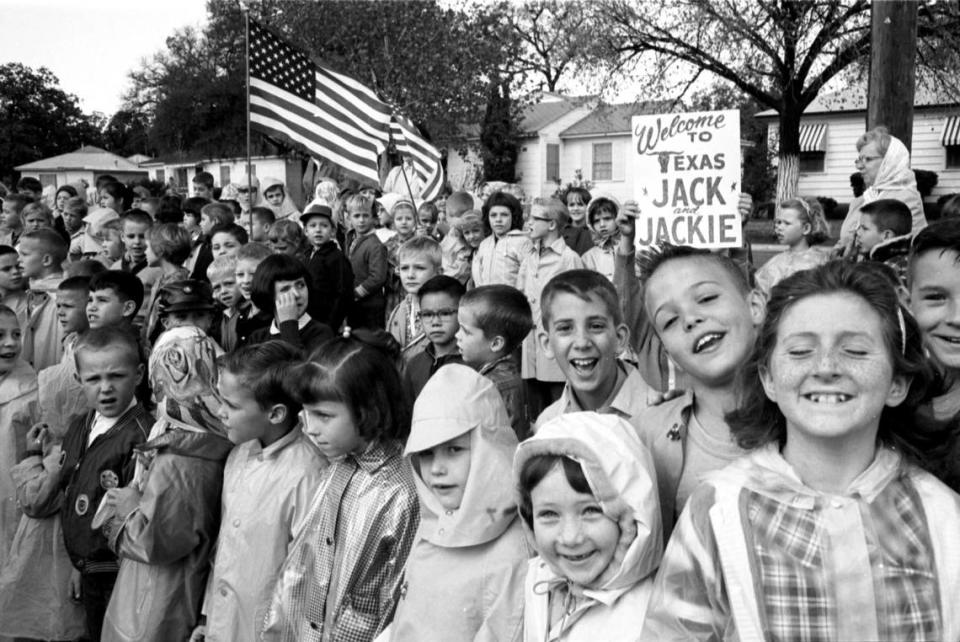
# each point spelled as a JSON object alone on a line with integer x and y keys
{"x": 342, "y": 576}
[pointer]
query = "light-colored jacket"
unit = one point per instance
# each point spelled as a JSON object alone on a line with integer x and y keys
{"x": 464, "y": 576}
{"x": 619, "y": 470}
{"x": 754, "y": 545}
{"x": 266, "y": 493}
{"x": 18, "y": 405}
{"x": 542, "y": 263}
{"x": 166, "y": 543}
{"x": 497, "y": 261}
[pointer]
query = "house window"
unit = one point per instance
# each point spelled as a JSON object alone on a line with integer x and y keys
{"x": 48, "y": 179}
{"x": 224, "y": 175}
{"x": 603, "y": 161}
{"x": 953, "y": 157}
{"x": 161, "y": 176}
{"x": 553, "y": 162}
{"x": 181, "y": 177}
{"x": 811, "y": 162}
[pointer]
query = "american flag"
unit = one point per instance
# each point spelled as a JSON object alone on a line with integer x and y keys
{"x": 329, "y": 114}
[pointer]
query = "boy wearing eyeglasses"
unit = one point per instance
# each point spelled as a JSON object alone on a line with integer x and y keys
{"x": 439, "y": 301}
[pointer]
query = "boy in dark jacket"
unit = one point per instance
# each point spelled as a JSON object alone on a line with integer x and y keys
{"x": 95, "y": 456}
{"x": 329, "y": 269}
{"x": 368, "y": 258}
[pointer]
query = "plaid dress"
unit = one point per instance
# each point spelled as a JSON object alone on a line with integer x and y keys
{"x": 341, "y": 577}
{"x": 758, "y": 555}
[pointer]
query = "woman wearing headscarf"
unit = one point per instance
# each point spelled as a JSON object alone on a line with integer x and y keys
{"x": 884, "y": 164}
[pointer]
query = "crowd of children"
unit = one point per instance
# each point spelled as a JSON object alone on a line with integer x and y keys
{"x": 223, "y": 419}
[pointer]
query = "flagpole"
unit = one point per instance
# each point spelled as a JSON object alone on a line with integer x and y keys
{"x": 246, "y": 20}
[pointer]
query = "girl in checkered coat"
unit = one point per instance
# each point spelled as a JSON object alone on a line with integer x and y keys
{"x": 828, "y": 529}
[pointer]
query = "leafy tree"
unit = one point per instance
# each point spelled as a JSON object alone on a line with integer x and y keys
{"x": 499, "y": 136}
{"x": 37, "y": 118}
{"x": 781, "y": 54}
{"x": 127, "y": 133}
{"x": 553, "y": 38}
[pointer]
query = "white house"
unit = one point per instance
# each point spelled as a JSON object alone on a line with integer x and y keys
{"x": 831, "y": 125}
{"x": 565, "y": 137}
{"x": 180, "y": 169}
{"x": 87, "y": 163}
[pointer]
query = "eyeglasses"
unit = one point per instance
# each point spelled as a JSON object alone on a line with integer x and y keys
{"x": 444, "y": 314}
{"x": 863, "y": 160}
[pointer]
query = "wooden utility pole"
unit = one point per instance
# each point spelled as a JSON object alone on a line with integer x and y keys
{"x": 893, "y": 50}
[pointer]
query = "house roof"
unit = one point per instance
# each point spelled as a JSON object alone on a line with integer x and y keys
{"x": 536, "y": 116}
{"x": 854, "y": 99}
{"x": 189, "y": 160}
{"x": 612, "y": 119}
{"x": 87, "y": 157}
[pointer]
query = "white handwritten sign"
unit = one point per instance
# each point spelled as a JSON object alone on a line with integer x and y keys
{"x": 688, "y": 178}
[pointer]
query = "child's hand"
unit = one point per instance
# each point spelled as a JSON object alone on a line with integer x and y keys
{"x": 122, "y": 501}
{"x": 286, "y": 304}
{"x": 199, "y": 634}
{"x": 627, "y": 219}
{"x": 37, "y": 436}
{"x": 74, "y": 586}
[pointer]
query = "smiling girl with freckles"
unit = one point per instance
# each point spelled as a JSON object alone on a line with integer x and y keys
{"x": 829, "y": 515}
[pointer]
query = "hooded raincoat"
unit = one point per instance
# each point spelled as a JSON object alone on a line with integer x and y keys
{"x": 464, "y": 576}
{"x": 286, "y": 209}
{"x": 17, "y": 390}
{"x": 620, "y": 472}
{"x": 166, "y": 543}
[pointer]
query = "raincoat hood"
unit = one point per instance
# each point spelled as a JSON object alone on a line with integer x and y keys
{"x": 620, "y": 471}
{"x": 455, "y": 401}
{"x": 96, "y": 218}
{"x": 286, "y": 207}
{"x": 603, "y": 196}
{"x": 894, "y": 172}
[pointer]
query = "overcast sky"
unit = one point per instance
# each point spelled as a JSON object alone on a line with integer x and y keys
{"x": 91, "y": 45}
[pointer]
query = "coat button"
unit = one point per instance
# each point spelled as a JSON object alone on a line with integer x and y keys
{"x": 329, "y": 541}
{"x": 223, "y": 592}
{"x": 236, "y": 523}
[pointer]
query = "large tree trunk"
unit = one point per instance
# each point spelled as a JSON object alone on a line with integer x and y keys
{"x": 788, "y": 174}
{"x": 788, "y": 154}
{"x": 892, "y": 74}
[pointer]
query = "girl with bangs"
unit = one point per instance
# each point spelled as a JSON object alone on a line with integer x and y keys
{"x": 828, "y": 529}
{"x": 342, "y": 576}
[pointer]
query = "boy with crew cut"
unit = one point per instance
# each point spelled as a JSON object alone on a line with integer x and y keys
{"x": 368, "y": 258}
{"x": 95, "y": 456}
{"x": 329, "y": 269}
{"x": 439, "y": 300}
{"x": 269, "y": 480}
{"x": 203, "y": 185}
{"x": 884, "y": 235}
{"x": 248, "y": 318}
{"x": 546, "y": 257}
{"x": 115, "y": 297}
{"x": 223, "y": 281}
{"x": 494, "y": 320}
{"x": 61, "y": 395}
{"x": 418, "y": 261}
{"x": 42, "y": 253}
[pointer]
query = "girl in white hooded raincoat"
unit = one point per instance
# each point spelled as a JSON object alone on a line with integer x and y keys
{"x": 464, "y": 577}
{"x": 594, "y": 575}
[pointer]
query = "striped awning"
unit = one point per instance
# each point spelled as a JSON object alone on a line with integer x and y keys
{"x": 813, "y": 138}
{"x": 951, "y": 131}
